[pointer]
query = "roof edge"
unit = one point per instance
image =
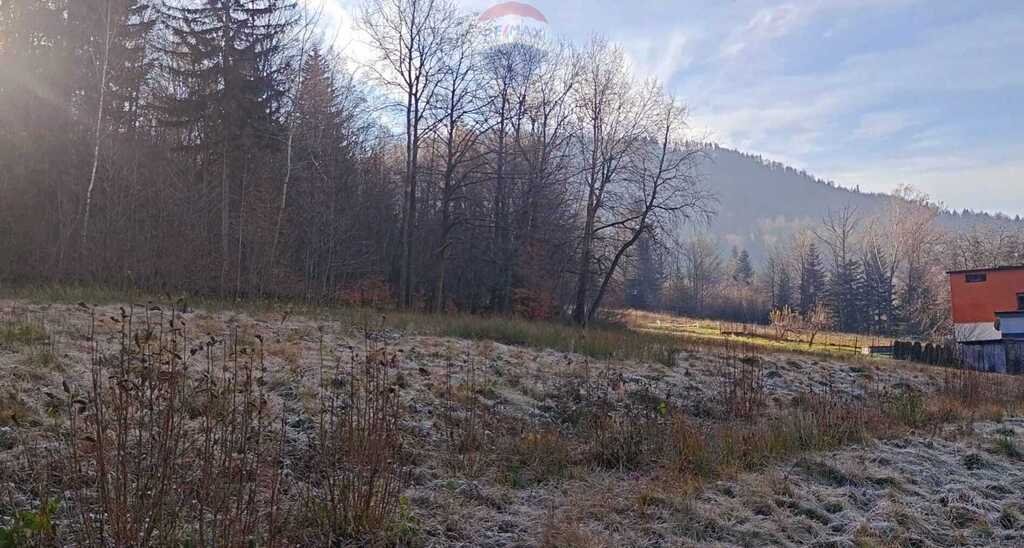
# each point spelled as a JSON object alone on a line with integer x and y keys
{"x": 992, "y": 269}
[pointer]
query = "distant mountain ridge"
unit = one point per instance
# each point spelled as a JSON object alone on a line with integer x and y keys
{"x": 761, "y": 202}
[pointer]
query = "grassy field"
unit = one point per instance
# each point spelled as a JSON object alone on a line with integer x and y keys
{"x": 280, "y": 425}
{"x": 763, "y": 335}
{"x": 633, "y": 335}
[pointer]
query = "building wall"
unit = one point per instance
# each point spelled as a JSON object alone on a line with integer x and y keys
{"x": 984, "y": 331}
{"x": 975, "y": 304}
{"x": 1012, "y": 325}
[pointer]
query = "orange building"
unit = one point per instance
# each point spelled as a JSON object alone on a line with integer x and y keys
{"x": 985, "y": 298}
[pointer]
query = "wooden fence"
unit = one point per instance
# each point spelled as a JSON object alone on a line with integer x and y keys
{"x": 850, "y": 341}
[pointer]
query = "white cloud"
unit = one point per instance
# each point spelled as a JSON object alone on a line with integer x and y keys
{"x": 768, "y": 24}
{"x": 875, "y": 125}
{"x": 662, "y": 56}
{"x": 778, "y": 21}
{"x": 776, "y": 111}
{"x": 338, "y": 28}
{"x": 731, "y": 68}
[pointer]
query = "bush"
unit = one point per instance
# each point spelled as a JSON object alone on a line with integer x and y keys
{"x": 1007, "y": 447}
{"x": 908, "y": 408}
{"x": 31, "y": 528}
{"x": 161, "y": 454}
{"x": 533, "y": 458}
{"x": 174, "y": 444}
{"x": 355, "y": 472}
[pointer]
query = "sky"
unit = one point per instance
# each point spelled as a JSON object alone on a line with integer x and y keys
{"x": 867, "y": 93}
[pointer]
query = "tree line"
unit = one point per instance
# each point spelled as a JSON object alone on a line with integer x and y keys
{"x": 225, "y": 147}
{"x": 873, "y": 272}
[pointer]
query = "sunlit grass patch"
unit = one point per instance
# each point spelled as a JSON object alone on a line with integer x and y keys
{"x": 20, "y": 333}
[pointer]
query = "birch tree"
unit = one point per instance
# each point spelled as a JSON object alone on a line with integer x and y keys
{"x": 97, "y": 134}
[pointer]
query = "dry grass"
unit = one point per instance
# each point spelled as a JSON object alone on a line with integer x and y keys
{"x": 768, "y": 338}
{"x": 19, "y": 333}
{"x": 356, "y": 473}
{"x": 569, "y": 533}
{"x": 174, "y": 440}
{"x": 298, "y": 431}
{"x": 535, "y": 456}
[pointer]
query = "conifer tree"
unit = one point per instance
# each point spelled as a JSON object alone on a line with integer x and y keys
{"x": 812, "y": 278}
{"x": 784, "y": 289}
{"x": 743, "y": 271}
{"x": 878, "y": 292}
{"x": 225, "y": 57}
{"x": 844, "y": 296}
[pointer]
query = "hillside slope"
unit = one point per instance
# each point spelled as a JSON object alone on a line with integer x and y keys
{"x": 763, "y": 202}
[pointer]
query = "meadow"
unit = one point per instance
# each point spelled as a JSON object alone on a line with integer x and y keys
{"x": 205, "y": 423}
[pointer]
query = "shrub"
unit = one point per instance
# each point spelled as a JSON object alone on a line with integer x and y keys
{"x": 355, "y": 468}
{"x": 742, "y": 392}
{"x": 173, "y": 444}
{"x": 161, "y": 454}
{"x": 533, "y": 458}
{"x": 31, "y": 528}
{"x": 908, "y": 408}
{"x": 1007, "y": 447}
{"x": 467, "y": 421}
{"x": 785, "y": 321}
{"x": 622, "y": 442}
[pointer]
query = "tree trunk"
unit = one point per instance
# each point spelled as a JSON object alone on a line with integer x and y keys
{"x": 282, "y": 205}
{"x": 611, "y": 269}
{"x": 98, "y": 134}
{"x": 579, "y": 314}
{"x": 225, "y": 218}
{"x": 408, "y": 278}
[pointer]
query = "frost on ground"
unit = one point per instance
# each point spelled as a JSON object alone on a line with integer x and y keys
{"x": 910, "y": 492}
{"x": 958, "y": 486}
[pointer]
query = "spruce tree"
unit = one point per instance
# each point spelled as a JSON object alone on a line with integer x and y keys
{"x": 845, "y": 296}
{"x": 225, "y": 57}
{"x": 643, "y": 287}
{"x": 878, "y": 292}
{"x": 812, "y": 279}
{"x": 784, "y": 290}
{"x": 743, "y": 271}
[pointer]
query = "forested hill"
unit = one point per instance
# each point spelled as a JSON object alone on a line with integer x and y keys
{"x": 761, "y": 202}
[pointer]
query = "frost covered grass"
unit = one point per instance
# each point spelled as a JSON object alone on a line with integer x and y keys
{"x": 17, "y": 332}
{"x": 624, "y": 336}
{"x": 350, "y": 430}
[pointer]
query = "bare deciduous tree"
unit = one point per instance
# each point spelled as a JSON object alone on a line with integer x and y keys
{"x": 411, "y": 39}
{"x": 659, "y": 190}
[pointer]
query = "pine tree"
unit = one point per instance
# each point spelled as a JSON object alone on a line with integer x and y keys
{"x": 784, "y": 289}
{"x": 130, "y": 25}
{"x": 812, "y": 279}
{"x": 878, "y": 294}
{"x": 845, "y": 296}
{"x": 323, "y": 197}
{"x": 921, "y": 315}
{"x": 225, "y": 57}
{"x": 134, "y": 54}
{"x": 111, "y": 42}
{"x": 643, "y": 288}
{"x": 743, "y": 271}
